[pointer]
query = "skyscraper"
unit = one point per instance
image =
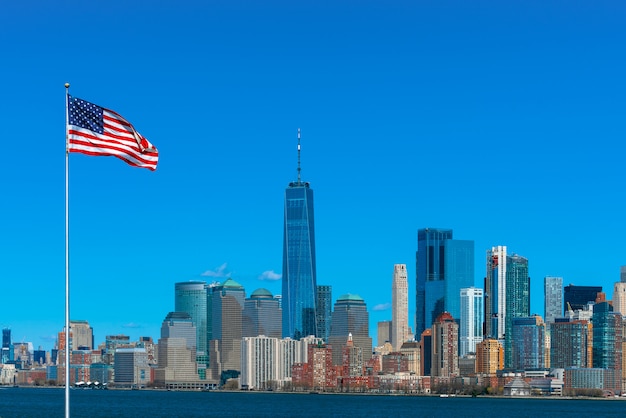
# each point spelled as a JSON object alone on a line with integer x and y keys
{"x": 569, "y": 343}
{"x": 323, "y": 310}
{"x": 528, "y": 343}
{"x": 262, "y": 315}
{"x": 607, "y": 341}
{"x": 299, "y": 275}
{"x": 619, "y": 297}
{"x": 578, "y": 297}
{"x": 445, "y": 346}
{"x": 495, "y": 293}
{"x": 507, "y": 296}
{"x": 350, "y": 317}
{"x": 191, "y": 297}
{"x": 228, "y": 301}
{"x": 444, "y": 266}
{"x": 553, "y": 299}
{"x": 399, "y": 306}
{"x": 471, "y": 322}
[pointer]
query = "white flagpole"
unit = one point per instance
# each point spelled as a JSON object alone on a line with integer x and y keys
{"x": 67, "y": 263}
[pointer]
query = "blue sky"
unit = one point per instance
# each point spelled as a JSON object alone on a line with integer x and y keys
{"x": 501, "y": 120}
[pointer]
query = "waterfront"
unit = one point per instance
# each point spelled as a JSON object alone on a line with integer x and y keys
{"x": 49, "y": 403}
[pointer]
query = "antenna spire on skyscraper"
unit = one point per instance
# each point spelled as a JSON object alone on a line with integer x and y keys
{"x": 299, "y": 169}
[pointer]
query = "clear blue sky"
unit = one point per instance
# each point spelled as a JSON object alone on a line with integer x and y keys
{"x": 504, "y": 121}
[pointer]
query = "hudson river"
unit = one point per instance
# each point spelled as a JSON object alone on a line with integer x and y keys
{"x": 50, "y": 403}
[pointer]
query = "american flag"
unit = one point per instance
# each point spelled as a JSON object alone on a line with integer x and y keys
{"x": 94, "y": 130}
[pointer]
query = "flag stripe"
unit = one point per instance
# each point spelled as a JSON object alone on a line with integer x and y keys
{"x": 93, "y": 130}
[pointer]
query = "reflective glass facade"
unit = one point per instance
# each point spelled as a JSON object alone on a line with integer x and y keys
{"x": 471, "y": 323}
{"x": 299, "y": 276}
{"x": 553, "y": 299}
{"x": 517, "y": 299}
{"x": 324, "y": 310}
{"x": 444, "y": 266}
{"x": 191, "y": 297}
{"x": 528, "y": 348}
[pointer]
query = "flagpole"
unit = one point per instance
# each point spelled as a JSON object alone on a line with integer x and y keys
{"x": 67, "y": 263}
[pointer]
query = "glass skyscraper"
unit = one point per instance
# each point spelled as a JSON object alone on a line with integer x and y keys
{"x": 299, "y": 277}
{"x": 324, "y": 310}
{"x": 553, "y": 299}
{"x": 528, "y": 350}
{"x": 350, "y": 317}
{"x": 191, "y": 298}
{"x": 444, "y": 266}
{"x": 471, "y": 321}
{"x": 507, "y": 296}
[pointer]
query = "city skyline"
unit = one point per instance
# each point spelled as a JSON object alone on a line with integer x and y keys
{"x": 502, "y": 122}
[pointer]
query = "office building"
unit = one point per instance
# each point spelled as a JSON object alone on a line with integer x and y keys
{"x": 622, "y": 274}
{"x": 191, "y": 297}
{"x": 262, "y": 315}
{"x": 323, "y": 310}
{"x": 528, "y": 343}
{"x": 507, "y": 296}
{"x": 607, "y": 339}
{"x": 445, "y": 346}
{"x": 384, "y": 333}
{"x": 619, "y": 297}
{"x": 227, "y": 323}
{"x": 444, "y": 266}
{"x": 471, "y": 321}
{"x": 350, "y": 316}
{"x": 553, "y": 299}
{"x": 131, "y": 368}
{"x": 82, "y": 335}
{"x": 6, "y": 355}
{"x": 570, "y": 341}
{"x": 399, "y": 306}
{"x": 578, "y": 297}
{"x": 179, "y": 325}
{"x": 299, "y": 274}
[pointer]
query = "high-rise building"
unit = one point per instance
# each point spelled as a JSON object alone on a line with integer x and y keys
{"x": 384, "y": 333}
{"x": 445, "y": 346}
{"x": 350, "y": 317}
{"x": 622, "y": 274}
{"x": 619, "y": 297}
{"x": 399, "y": 306}
{"x": 227, "y": 303}
{"x": 570, "y": 341}
{"x": 323, "y": 310}
{"x": 82, "y": 335}
{"x": 489, "y": 357}
{"x": 352, "y": 359}
{"x": 507, "y": 296}
{"x": 528, "y": 343}
{"x": 191, "y": 297}
{"x": 553, "y": 299}
{"x": 176, "y": 354}
{"x": 262, "y": 315}
{"x": 578, "y": 297}
{"x": 495, "y": 293}
{"x": 180, "y": 325}
{"x": 7, "y": 346}
{"x": 444, "y": 266}
{"x": 607, "y": 337}
{"x": 471, "y": 321}
{"x": 299, "y": 275}
{"x": 259, "y": 363}
{"x": 131, "y": 368}
{"x": 607, "y": 341}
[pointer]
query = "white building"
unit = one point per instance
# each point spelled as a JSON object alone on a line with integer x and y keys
{"x": 399, "y": 306}
{"x": 471, "y": 321}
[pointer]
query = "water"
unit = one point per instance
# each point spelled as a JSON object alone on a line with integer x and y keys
{"x": 50, "y": 403}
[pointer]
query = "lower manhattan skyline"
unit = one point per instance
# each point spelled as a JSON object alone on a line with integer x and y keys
{"x": 501, "y": 122}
